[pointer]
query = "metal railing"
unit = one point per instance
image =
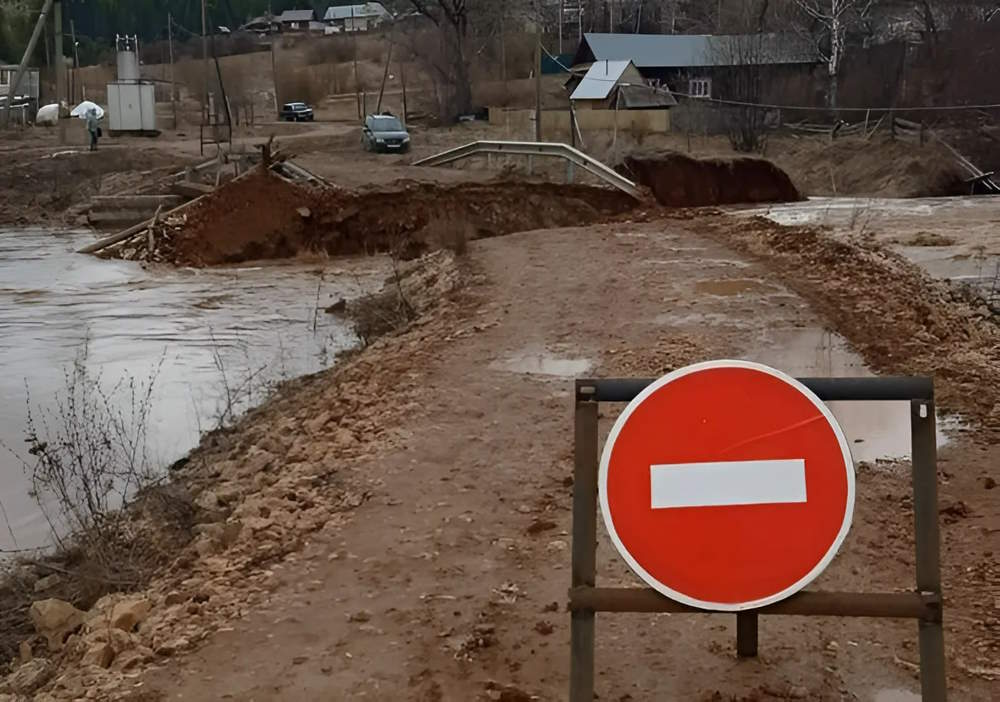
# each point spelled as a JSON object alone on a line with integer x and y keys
{"x": 536, "y": 148}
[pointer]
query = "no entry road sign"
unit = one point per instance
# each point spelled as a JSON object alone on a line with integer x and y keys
{"x": 727, "y": 485}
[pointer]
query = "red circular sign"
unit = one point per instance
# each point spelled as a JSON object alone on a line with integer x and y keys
{"x": 727, "y": 485}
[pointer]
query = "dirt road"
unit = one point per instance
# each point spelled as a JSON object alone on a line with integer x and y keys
{"x": 449, "y": 582}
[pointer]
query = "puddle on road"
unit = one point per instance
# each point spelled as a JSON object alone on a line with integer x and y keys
{"x": 876, "y": 431}
{"x": 730, "y": 288}
{"x": 896, "y": 696}
{"x": 543, "y": 363}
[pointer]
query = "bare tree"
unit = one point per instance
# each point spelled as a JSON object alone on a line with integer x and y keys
{"x": 451, "y": 17}
{"x": 830, "y": 21}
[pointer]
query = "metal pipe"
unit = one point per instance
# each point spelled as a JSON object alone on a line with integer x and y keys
{"x": 886, "y": 388}
{"x": 933, "y": 679}
{"x": 746, "y": 634}
{"x": 584, "y": 564}
{"x": 901, "y": 605}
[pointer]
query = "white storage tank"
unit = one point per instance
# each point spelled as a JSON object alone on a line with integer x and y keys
{"x": 128, "y": 57}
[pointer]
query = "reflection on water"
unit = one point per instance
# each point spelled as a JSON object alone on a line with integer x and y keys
{"x": 875, "y": 430}
{"x": 52, "y": 301}
{"x": 896, "y": 696}
{"x": 537, "y": 362}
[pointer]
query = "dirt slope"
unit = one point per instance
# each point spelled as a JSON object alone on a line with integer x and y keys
{"x": 261, "y": 217}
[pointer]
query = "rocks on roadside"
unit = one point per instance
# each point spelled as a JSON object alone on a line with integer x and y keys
{"x": 100, "y": 654}
{"x": 128, "y": 614}
{"x": 29, "y": 677}
{"x": 55, "y": 620}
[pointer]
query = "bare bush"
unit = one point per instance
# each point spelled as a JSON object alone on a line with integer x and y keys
{"x": 383, "y": 312}
{"x": 329, "y": 50}
{"x": 89, "y": 450}
{"x": 112, "y": 520}
{"x": 301, "y": 84}
{"x": 238, "y": 389}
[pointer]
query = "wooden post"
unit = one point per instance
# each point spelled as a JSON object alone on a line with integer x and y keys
{"x": 746, "y": 634}
{"x": 584, "y": 549}
{"x": 385, "y": 75}
{"x": 402, "y": 79}
{"x": 76, "y": 60}
{"x": 60, "y": 65}
{"x": 538, "y": 87}
{"x": 173, "y": 85}
{"x": 204, "y": 63}
{"x": 357, "y": 82}
{"x": 274, "y": 77}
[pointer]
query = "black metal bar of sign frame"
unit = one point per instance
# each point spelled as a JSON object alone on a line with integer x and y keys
{"x": 827, "y": 389}
{"x": 923, "y": 604}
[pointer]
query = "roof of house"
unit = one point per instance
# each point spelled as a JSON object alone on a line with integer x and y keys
{"x": 367, "y": 9}
{"x": 645, "y": 97}
{"x": 297, "y": 16}
{"x": 600, "y": 80}
{"x": 695, "y": 50}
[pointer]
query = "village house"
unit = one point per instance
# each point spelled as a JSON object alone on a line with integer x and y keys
{"x": 692, "y": 65}
{"x": 360, "y": 17}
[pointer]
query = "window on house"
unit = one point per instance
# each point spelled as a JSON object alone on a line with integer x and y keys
{"x": 700, "y": 87}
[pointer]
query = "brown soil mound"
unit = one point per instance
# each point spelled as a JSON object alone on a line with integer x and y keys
{"x": 880, "y": 167}
{"x": 678, "y": 180}
{"x": 261, "y": 216}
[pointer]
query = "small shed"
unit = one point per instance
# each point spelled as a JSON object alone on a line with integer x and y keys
{"x": 617, "y": 85}
{"x": 27, "y": 88}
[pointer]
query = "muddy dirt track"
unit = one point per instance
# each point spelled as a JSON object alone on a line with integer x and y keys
{"x": 448, "y": 582}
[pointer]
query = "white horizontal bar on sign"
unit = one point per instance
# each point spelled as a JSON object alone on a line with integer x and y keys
{"x": 719, "y": 484}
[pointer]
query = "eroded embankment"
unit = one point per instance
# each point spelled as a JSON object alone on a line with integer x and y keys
{"x": 251, "y": 495}
{"x": 261, "y": 216}
{"x": 678, "y": 180}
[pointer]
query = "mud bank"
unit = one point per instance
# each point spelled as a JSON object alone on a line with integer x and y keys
{"x": 264, "y": 217}
{"x": 247, "y": 498}
{"x": 678, "y": 180}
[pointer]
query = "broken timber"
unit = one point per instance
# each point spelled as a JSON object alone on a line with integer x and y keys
{"x": 281, "y": 166}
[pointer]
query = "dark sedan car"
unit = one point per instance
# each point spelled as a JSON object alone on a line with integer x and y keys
{"x": 385, "y": 133}
{"x": 296, "y": 112}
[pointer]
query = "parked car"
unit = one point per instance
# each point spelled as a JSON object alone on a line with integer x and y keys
{"x": 385, "y": 133}
{"x": 296, "y": 112}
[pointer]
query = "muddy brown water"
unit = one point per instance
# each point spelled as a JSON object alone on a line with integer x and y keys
{"x": 53, "y": 302}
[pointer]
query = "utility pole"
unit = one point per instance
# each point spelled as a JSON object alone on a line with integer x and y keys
{"x": 173, "y": 85}
{"x": 204, "y": 63}
{"x": 357, "y": 83}
{"x": 562, "y": 11}
{"x": 385, "y": 75}
{"x": 538, "y": 87}
{"x": 76, "y": 59}
{"x": 274, "y": 74}
{"x": 60, "y": 65}
{"x": 24, "y": 59}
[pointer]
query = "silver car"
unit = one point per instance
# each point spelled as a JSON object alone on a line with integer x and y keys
{"x": 385, "y": 133}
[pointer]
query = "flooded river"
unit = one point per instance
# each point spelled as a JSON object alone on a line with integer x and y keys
{"x": 185, "y": 322}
